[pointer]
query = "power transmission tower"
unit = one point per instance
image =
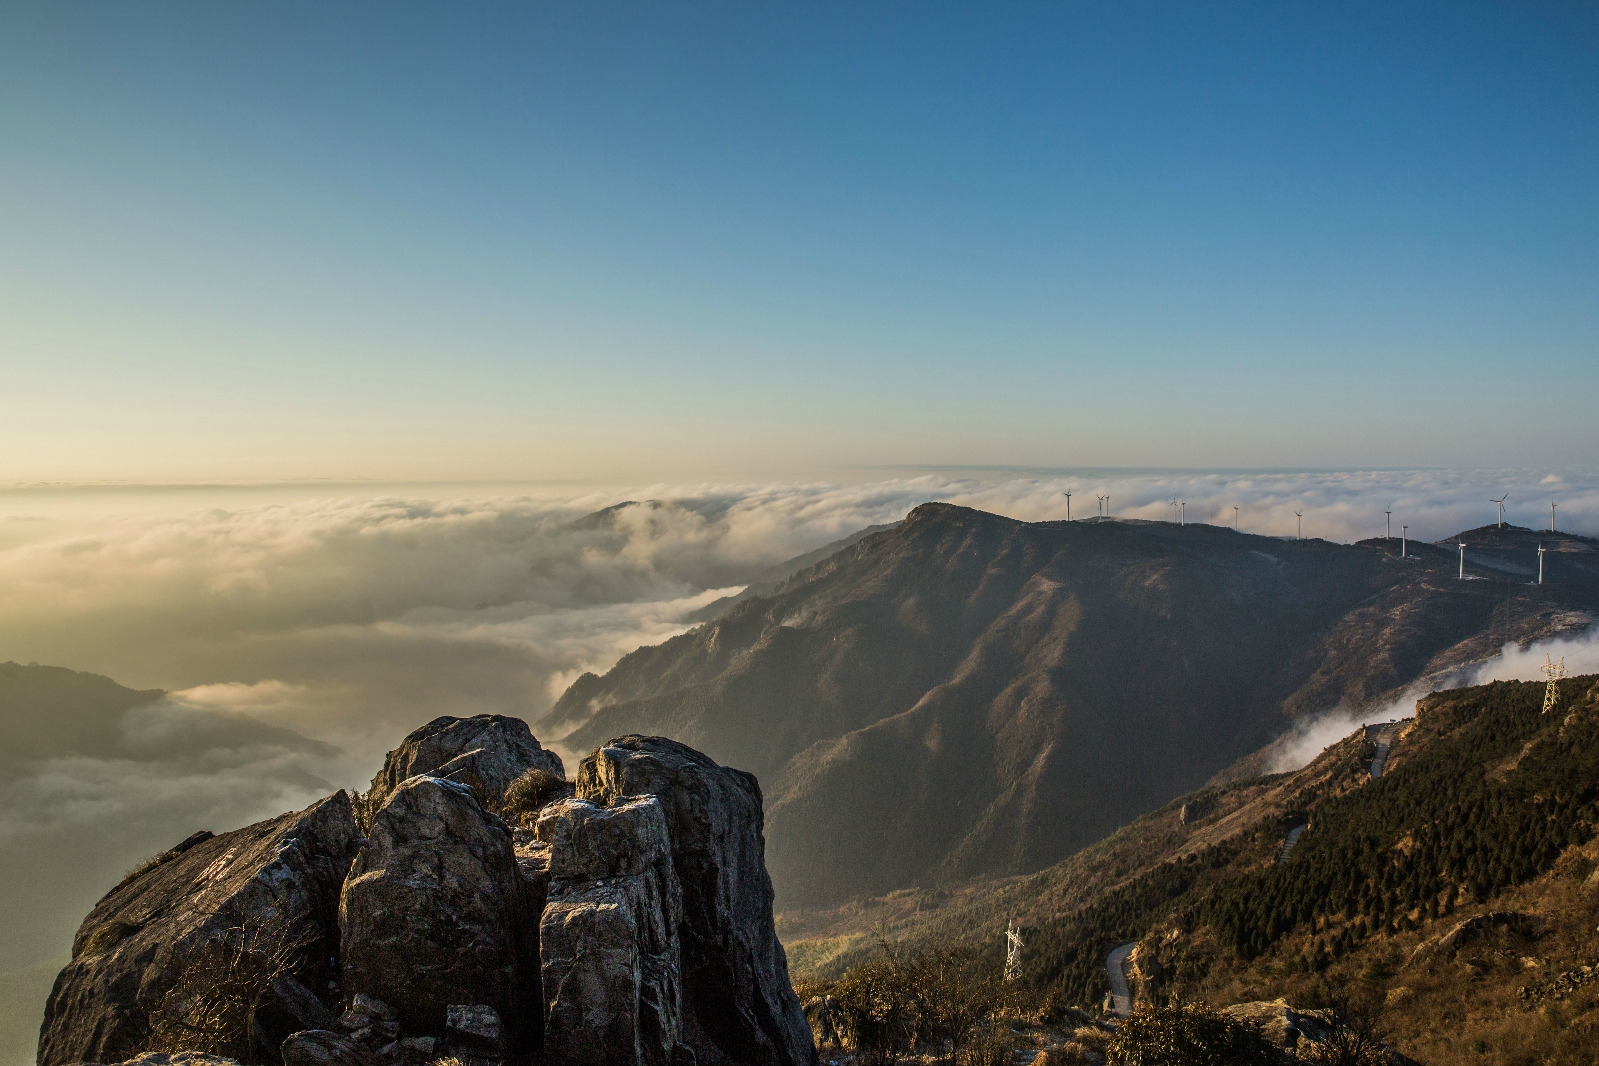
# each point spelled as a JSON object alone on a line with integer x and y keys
{"x": 1554, "y": 672}
{"x": 1013, "y": 951}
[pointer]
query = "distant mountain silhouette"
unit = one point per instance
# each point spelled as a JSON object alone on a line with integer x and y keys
{"x": 966, "y": 694}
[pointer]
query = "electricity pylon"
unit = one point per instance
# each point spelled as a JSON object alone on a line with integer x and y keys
{"x": 1554, "y": 672}
{"x": 1013, "y": 952}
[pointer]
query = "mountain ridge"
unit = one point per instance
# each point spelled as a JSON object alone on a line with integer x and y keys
{"x": 1000, "y": 693}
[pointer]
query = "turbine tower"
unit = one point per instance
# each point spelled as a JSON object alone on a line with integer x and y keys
{"x": 1551, "y": 516}
{"x": 1404, "y": 541}
{"x": 1462, "y": 560}
{"x": 1235, "y": 518}
{"x": 1553, "y": 672}
{"x": 1099, "y": 506}
{"x": 1501, "y": 502}
{"x": 1013, "y": 951}
{"x": 1299, "y": 532}
{"x": 1540, "y": 566}
{"x": 1388, "y": 527}
{"x": 1182, "y": 513}
{"x": 1068, "y": 506}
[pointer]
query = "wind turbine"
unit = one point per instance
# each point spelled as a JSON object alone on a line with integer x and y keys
{"x": 1501, "y": 502}
{"x": 1551, "y": 516}
{"x": 1462, "y": 560}
{"x": 1182, "y": 513}
{"x": 1540, "y": 563}
{"x": 1404, "y": 541}
{"x": 1107, "y": 505}
{"x": 1299, "y": 533}
{"x": 1099, "y": 509}
{"x": 1388, "y": 529}
{"x": 1068, "y": 506}
{"x": 1235, "y": 518}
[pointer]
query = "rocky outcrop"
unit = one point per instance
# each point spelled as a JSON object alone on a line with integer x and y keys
{"x": 1312, "y": 1035}
{"x": 486, "y": 752}
{"x": 1475, "y": 928}
{"x": 1281, "y": 1025}
{"x": 609, "y": 935}
{"x": 222, "y": 946}
{"x": 433, "y": 912}
{"x": 739, "y": 1007}
{"x": 300, "y": 941}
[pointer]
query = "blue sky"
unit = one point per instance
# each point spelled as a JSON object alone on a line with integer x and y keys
{"x": 405, "y": 241}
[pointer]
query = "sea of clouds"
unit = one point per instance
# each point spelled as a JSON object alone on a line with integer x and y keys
{"x": 301, "y": 632}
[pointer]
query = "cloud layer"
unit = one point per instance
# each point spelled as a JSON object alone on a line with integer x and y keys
{"x": 353, "y": 618}
{"x": 302, "y": 637}
{"x": 1580, "y": 654}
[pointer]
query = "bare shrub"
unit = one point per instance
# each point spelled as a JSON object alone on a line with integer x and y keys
{"x": 213, "y": 1005}
{"x": 1187, "y": 1034}
{"x": 529, "y": 794}
{"x": 1352, "y": 1038}
{"x": 942, "y": 1003}
{"x": 989, "y": 1044}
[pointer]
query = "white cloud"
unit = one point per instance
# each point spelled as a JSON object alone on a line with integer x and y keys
{"x": 355, "y": 618}
{"x": 1513, "y": 663}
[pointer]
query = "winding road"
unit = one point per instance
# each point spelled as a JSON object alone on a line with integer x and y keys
{"x": 1380, "y": 758}
{"x": 1289, "y": 841}
{"x": 1116, "y": 969}
{"x": 1384, "y": 735}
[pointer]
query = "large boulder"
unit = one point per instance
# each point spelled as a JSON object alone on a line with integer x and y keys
{"x": 434, "y": 914}
{"x": 739, "y": 1007}
{"x": 221, "y": 945}
{"x": 486, "y": 752}
{"x": 608, "y": 936}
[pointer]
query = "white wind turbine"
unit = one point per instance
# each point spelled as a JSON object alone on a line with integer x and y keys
{"x": 1235, "y": 518}
{"x": 1462, "y": 560}
{"x": 1404, "y": 541}
{"x": 1299, "y": 533}
{"x": 1068, "y": 505}
{"x": 1540, "y": 563}
{"x": 1182, "y": 513}
{"x": 1388, "y": 528}
{"x": 1551, "y": 516}
{"x": 1501, "y": 502}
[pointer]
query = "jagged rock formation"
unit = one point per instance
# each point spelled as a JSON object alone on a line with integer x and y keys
{"x": 227, "y": 940}
{"x": 486, "y": 752}
{"x": 433, "y": 911}
{"x": 608, "y": 937}
{"x": 739, "y": 1006}
{"x": 632, "y": 925}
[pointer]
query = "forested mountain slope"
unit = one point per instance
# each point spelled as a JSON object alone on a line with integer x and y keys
{"x": 1457, "y": 895}
{"x": 967, "y": 695}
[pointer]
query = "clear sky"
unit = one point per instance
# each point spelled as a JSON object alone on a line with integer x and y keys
{"x": 580, "y": 240}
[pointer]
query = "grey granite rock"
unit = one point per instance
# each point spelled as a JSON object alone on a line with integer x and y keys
{"x": 608, "y": 937}
{"x": 485, "y": 752}
{"x": 232, "y": 934}
{"x": 739, "y": 1007}
{"x": 434, "y": 912}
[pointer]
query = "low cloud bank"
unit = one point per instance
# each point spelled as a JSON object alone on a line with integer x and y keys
{"x": 1513, "y": 663}
{"x": 352, "y": 619}
{"x": 73, "y": 822}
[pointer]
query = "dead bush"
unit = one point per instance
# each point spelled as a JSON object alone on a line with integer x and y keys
{"x": 215, "y": 1005}
{"x": 530, "y": 793}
